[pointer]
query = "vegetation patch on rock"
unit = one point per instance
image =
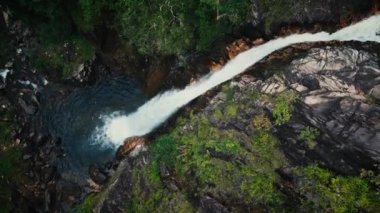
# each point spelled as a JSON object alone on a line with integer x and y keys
{"x": 321, "y": 189}
{"x": 11, "y": 166}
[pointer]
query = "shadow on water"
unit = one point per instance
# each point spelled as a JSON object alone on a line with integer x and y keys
{"x": 76, "y": 118}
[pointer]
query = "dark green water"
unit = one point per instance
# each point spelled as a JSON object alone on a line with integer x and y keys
{"x": 76, "y": 118}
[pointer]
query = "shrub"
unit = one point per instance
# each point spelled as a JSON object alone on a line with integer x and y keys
{"x": 283, "y": 109}
{"x": 11, "y": 167}
{"x": 309, "y": 135}
{"x": 260, "y": 189}
{"x": 165, "y": 149}
{"x": 371, "y": 176}
{"x": 229, "y": 93}
{"x": 231, "y": 111}
{"x": 218, "y": 114}
{"x": 275, "y": 10}
{"x": 324, "y": 190}
{"x": 261, "y": 122}
{"x": 87, "y": 205}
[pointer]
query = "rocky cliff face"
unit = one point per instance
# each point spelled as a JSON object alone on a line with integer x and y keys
{"x": 338, "y": 87}
{"x": 296, "y": 140}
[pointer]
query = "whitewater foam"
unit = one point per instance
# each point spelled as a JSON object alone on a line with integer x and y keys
{"x": 161, "y": 107}
{"x": 4, "y": 73}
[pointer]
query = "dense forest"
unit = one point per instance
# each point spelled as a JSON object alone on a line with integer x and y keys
{"x": 161, "y": 28}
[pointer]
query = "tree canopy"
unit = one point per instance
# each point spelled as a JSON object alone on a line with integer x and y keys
{"x": 160, "y": 27}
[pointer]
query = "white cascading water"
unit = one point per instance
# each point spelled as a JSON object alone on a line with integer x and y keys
{"x": 161, "y": 107}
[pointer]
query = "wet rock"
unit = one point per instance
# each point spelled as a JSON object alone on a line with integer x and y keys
{"x": 65, "y": 192}
{"x": 273, "y": 88}
{"x": 48, "y": 173}
{"x": 209, "y": 204}
{"x": 164, "y": 172}
{"x": 26, "y": 157}
{"x": 97, "y": 175}
{"x": 29, "y": 109}
{"x": 376, "y": 92}
{"x": 3, "y": 77}
{"x": 167, "y": 179}
{"x": 310, "y": 83}
{"x": 40, "y": 139}
{"x": 132, "y": 146}
{"x": 120, "y": 192}
{"x": 299, "y": 88}
{"x": 47, "y": 200}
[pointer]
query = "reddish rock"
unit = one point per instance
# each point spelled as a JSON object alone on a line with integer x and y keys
{"x": 129, "y": 145}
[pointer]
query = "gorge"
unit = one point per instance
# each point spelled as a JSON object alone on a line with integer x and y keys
{"x": 190, "y": 106}
{"x": 159, "y": 108}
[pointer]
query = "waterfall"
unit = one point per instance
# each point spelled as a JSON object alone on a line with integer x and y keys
{"x": 161, "y": 107}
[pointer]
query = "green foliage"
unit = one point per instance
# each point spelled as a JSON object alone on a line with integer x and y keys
{"x": 65, "y": 57}
{"x": 214, "y": 18}
{"x": 10, "y": 170}
{"x": 49, "y": 19}
{"x": 206, "y": 154}
{"x": 87, "y": 205}
{"x": 260, "y": 188}
{"x": 254, "y": 94}
{"x": 158, "y": 198}
{"x": 283, "y": 109}
{"x": 369, "y": 99}
{"x": 171, "y": 26}
{"x": 252, "y": 183}
{"x": 194, "y": 155}
{"x": 164, "y": 149}
{"x": 84, "y": 48}
{"x": 313, "y": 172}
{"x": 229, "y": 93}
{"x": 91, "y": 11}
{"x": 59, "y": 28}
{"x": 261, "y": 122}
{"x": 275, "y": 10}
{"x": 155, "y": 27}
{"x": 91, "y": 202}
{"x": 5, "y": 47}
{"x": 266, "y": 145}
{"x": 153, "y": 172}
{"x": 336, "y": 193}
{"x": 218, "y": 114}
{"x": 261, "y": 185}
{"x": 231, "y": 111}
{"x": 162, "y": 27}
{"x": 228, "y": 146}
{"x": 309, "y": 135}
{"x": 10, "y": 158}
{"x": 371, "y": 176}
